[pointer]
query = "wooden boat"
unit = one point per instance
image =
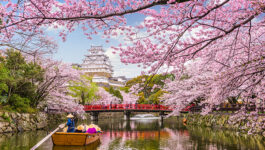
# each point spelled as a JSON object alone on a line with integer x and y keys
{"x": 92, "y": 146}
{"x": 77, "y": 139}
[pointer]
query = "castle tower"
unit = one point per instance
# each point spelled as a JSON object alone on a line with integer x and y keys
{"x": 98, "y": 65}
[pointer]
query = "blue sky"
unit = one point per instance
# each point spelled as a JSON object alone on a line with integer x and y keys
{"x": 74, "y": 49}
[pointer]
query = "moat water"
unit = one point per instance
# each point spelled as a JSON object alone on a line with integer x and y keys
{"x": 144, "y": 135}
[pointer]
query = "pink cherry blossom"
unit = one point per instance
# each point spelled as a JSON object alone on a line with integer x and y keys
{"x": 226, "y": 35}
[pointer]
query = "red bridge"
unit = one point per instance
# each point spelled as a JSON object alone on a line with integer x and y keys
{"x": 94, "y": 110}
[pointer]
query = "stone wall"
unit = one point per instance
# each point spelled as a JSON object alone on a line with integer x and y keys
{"x": 243, "y": 124}
{"x": 14, "y": 122}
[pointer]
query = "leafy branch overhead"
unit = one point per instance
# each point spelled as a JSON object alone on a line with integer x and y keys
{"x": 84, "y": 90}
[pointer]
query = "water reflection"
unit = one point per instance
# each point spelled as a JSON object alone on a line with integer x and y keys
{"x": 144, "y": 136}
{"x": 172, "y": 135}
{"x": 225, "y": 139}
{"x": 23, "y": 141}
{"x": 144, "y": 117}
{"x": 135, "y": 135}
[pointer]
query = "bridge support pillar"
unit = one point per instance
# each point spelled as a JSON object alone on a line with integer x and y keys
{"x": 127, "y": 115}
{"x": 94, "y": 116}
{"x": 162, "y": 114}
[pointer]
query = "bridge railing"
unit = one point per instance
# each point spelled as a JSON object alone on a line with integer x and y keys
{"x": 126, "y": 107}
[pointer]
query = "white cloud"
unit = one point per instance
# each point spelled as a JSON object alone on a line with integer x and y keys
{"x": 114, "y": 58}
{"x": 56, "y": 27}
{"x": 147, "y": 20}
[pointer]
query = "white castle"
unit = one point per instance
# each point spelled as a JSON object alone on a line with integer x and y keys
{"x": 98, "y": 65}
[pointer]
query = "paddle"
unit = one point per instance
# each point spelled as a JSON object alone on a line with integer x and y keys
{"x": 48, "y": 136}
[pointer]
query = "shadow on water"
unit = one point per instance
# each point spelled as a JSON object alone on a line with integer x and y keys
{"x": 92, "y": 146}
{"x": 144, "y": 135}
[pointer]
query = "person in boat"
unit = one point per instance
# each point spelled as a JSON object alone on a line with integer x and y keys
{"x": 80, "y": 129}
{"x": 92, "y": 128}
{"x": 70, "y": 123}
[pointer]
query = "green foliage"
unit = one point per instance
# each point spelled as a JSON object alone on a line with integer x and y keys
{"x": 7, "y": 108}
{"x": 114, "y": 92}
{"x": 3, "y": 85}
{"x": 19, "y": 103}
{"x": 6, "y": 118}
{"x": 141, "y": 99}
{"x": 149, "y": 94}
{"x": 18, "y": 80}
{"x": 3, "y": 99}
{"x": 155, "y": 97}
{"x": 125, "y": 89}
{"x": 84, "y": 90}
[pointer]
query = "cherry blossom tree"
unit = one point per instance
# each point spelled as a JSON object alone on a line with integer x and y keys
{"x": 64, "y": 103}
{"x": 129, "y": 98}
{"x": 31, "y": 43}
{"x": 227, "y": 34}
{"x": 54, "y": 89}
{"x": 30, "y": 15}
{"x": 201, "y": 80}
{"x": 196, "y": 82}
{"x": 105, "y": 97}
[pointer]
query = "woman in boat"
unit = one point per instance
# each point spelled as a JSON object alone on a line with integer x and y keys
{"x": 70, "y": 123}
{"x": 80, "y": 129}
{"x": 92, "y": 128}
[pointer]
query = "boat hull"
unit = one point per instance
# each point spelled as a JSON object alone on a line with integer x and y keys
{"x": 75, "y": 139}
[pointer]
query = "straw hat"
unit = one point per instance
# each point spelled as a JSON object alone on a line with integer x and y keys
{"x": 80, "y": 127}
{"x": 98, "y": 129}
{"x": 94, "y": 126}
{"x": 70, "y": 116}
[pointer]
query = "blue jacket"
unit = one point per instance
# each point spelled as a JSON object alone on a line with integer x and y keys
{"x": 71, "y": 125}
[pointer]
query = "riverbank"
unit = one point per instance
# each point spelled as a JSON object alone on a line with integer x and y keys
{"x": 244, "y": 124}
{"x": 18, "y": 122}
